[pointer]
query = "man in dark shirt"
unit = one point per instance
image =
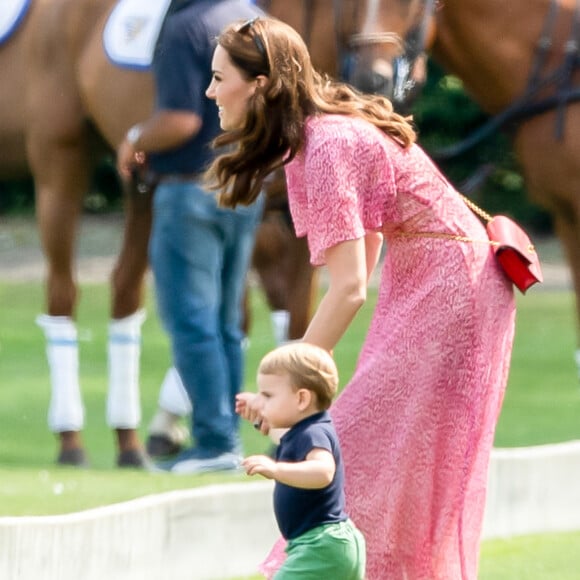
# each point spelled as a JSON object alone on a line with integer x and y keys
{"x": 199, "y": 253}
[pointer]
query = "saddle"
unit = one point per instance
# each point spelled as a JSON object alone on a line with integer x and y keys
{"x": 131, "y": 32}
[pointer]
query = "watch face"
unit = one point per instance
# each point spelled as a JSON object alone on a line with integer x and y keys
{"x": 133, "y": 134}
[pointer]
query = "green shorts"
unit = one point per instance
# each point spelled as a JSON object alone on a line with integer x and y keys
{"x": 333, "y": 551}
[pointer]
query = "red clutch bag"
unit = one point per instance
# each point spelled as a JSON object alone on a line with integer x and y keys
{"x": 511, "y": 245}
{"x": 515, "y": 252}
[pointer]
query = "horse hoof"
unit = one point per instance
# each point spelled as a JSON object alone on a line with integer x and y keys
{"x": 135, "y": 458}
{"x": 162, "y": 446}
{"x": 73, "y": 457}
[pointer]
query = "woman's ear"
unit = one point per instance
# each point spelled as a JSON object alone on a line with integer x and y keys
{"x": 261, "y": 81}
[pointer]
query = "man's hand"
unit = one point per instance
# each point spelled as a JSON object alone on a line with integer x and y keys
{"x": 129, "y": 159}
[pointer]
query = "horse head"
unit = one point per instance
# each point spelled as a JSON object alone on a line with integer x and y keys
{"x": 382, "y": 44}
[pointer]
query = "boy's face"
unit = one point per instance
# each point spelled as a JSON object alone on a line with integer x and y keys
{"x": 280, "y": 402}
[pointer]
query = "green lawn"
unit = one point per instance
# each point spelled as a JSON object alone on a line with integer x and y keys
{"x": 542, "y": 405}
{"x": 541, "y": 557}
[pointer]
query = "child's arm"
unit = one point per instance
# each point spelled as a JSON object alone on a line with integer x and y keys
{"x": 315, "y": 472}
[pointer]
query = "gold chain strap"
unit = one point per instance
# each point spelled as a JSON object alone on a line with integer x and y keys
{"x": 445, "y": 236}
{"x": 483, "y": 214}
{"x": 475, "y": 209}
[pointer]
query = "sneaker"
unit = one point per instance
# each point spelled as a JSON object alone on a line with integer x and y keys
{"x": 228, "y": 461}
{"x": 198, "y": 460}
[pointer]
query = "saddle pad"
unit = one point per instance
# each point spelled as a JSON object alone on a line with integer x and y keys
{"x": 11, "y": 14}
{"x": 131, "y": 32}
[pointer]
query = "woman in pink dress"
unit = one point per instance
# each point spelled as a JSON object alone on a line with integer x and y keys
{"x": 417, "y": 419}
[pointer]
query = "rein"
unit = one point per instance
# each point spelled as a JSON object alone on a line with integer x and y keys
{"x": 528, "y": 105}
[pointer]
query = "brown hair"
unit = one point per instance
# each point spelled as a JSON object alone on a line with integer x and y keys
{"x": 308, "y": 366}
{"x": 274, "y": 128}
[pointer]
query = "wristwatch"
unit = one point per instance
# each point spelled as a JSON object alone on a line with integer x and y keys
{"x": 134, "y": 134}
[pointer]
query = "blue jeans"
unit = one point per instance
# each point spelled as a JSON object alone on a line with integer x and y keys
{"x": 200, "y": 255}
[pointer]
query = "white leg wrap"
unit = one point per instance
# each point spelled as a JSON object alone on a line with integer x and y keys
{"x": 280, "y": 323}
{"x": 577, "y": 359}
{"x": 173, "y": 397}
{"x": 124, "y": 350}
{"x": 65, "y": 412}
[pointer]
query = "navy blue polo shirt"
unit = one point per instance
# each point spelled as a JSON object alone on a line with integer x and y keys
{"x": 299, "y": 510}
{"x": 182, "y": 73}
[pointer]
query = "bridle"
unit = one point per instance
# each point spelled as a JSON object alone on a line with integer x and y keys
{"x": 410, "y": 48}
{"x": 348, "y": 45}
{"x": 416, "y": 46}
{"x": 361, "y": 39}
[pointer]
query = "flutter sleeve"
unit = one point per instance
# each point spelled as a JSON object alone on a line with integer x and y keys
{"x": 334, "y": 184}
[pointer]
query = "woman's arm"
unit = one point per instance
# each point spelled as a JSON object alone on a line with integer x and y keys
{"x": 373, "y": 245}
{"x": 349, "y": 266}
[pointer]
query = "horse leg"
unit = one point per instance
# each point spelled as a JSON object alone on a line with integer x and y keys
{"x": 286, "y": 276}
{"x": 567, "y": 226}
{"x": 61, "y": 177}
{"x": 270, "y": 261}
{"x": 303, "y": 289}
{"x": 124, "y": 343}
{"x": 166, "y": 434}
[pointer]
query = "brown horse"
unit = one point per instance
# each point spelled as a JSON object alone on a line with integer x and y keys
{"x": 64, "y": 104}
{"x": 520, "y": 61}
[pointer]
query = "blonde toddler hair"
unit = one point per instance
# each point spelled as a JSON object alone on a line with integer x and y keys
{"x": 308, "y": 366}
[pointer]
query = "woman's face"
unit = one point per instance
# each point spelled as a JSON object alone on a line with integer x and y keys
{"x": 230, "y": 90}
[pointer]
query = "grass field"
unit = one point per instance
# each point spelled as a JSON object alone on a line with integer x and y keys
{"x": 542, "y": 405}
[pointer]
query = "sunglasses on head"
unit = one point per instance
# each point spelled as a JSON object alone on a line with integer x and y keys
{"x": 248, "y": 29}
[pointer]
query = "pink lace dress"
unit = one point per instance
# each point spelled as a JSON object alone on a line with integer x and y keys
{"x": 417, "y": 419}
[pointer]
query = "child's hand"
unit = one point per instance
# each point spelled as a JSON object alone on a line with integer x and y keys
{"x": 249, "y": 407}
{"x": 260, "y": 465}
{"x": 244, "y": 406}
